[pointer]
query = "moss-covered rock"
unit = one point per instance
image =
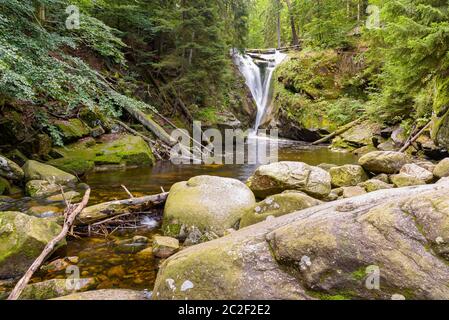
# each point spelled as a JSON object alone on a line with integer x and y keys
{"x": 325, "y": 252}
{"x": 277, "y": 177}
{"x": 418, "y": 172}
{"x": 278, "y": 205}
{"x": 5, "y": 186}
{"x": 111, "y": 150}
{"x": 10, "y": 170}
{"x": 41, "y": 188}
{"x": 359, "y": 136}
{"x": 347, "y": 175}
{"x": 207, "y": 204}
{"x": 442, "y": 169}
{"x": 72, "y": 129}
{"x": 384, "y": 161}
{"x": 107, "y": 294}
{"x": 375, "y": 185}
{"x": 56, "y": 288}
{"x": 440, "y": 127}
{"x": 39, "y": 171}
{"x": 22, "y": 239}
{"x": 405, "y": 180}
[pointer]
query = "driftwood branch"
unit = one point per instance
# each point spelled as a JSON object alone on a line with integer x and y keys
{"x": 71, "y": 213}
{"x": 410, "y": 141}
{"x": 110, "y": 209}
{"x": 339, "y": 131}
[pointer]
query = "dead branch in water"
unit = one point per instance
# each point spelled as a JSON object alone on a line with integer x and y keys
{"x": 71, "y": 212}
{"x": 410, "y": 141}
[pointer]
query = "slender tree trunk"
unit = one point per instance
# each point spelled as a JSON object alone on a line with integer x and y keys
{"x": 278, "y": 24}
{"x": 41, "y": 13}
{"x": 295, "y": 39}
{"x": 191, "y": 50}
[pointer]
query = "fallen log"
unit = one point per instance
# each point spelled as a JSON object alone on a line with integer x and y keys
{"x": 110, "y": 209}
{"x": 151, "y": 125}
{"x": 410, "y": 141}
{"x": 71, "y": 212}
{"x": 339, "y": 131}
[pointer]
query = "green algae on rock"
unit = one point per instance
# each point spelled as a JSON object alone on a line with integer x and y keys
{"x": 111, "y": 150}
{"x": 347, "y": 175}
{"x": 56, "y": 288}
{"x": 35, "y": 170}
{"x": 22, "y": 239}
{"x": 72, "y": 129}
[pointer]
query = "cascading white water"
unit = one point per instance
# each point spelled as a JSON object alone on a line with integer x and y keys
{"x": 258, "y": 72}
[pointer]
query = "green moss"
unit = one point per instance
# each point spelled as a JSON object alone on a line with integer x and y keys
{"x": 172, "y": 230}
{"x": 5, "y": 187}
{"x": 72, "y": 129}
{"x": 81, "y": 157}
{"x": 326, "y": 296}
{"x": 359, "y": 274}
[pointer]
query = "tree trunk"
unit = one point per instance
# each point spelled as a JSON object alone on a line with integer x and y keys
{"x": 278, "y": 22}
{"x": 295, "y": 39}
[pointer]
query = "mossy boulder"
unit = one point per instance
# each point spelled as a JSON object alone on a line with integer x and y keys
{"x": 278, "y": 205}
{"x": 384, "y": 161}
{"x": 5, "y": 186}
{"x": 72, "y": 129}
{"x": 277, "y": 177}
{"x": 39, "y": 171}
{"x": 111, "y": 150}
{"x": 418, "y": 172}
{"x": 347, "y": 175}
{"x": 405, "y": 180}
{"x": 106, "y": 294}
{"x": 41, "y": 188}
{"x": 442, "y": 169}
{"x": 326, "y": 252}
{"x": 358, "y": 136}
{"x": 10, "y": 170}
{"x": 22, "y": 239}
{"x": 207, "y": 204}
{"x": 375, "y": 185}
{"x": 56, "y": 288}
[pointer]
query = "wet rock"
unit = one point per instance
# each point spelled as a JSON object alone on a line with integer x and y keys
{"x": 45, "y": 211}
{"x": 69, "y": 196}
{"x": 384, "y": 161}
{"x": 97, "y": 132}
{"x": 206, "y": 203}
{"x": 109, "y": 151}
{"x": 278, "y": 205}
{"x": 347, "y": 175}
{"x": 164, "y": 247}
{"x": 56, "y": 288}
{"x": 131, "y": 246}
{"x": 10, "y": 170}
{"x": 41, "y": 188}
{"x": 39, "y": 171}
{"x": 417, "y": 172}
{"x": 281, "y": 176}
{"x": 325, "y": 252}
{"x": 374, "y": 185}
{"x": 116, "y": 272}
{"x": 22, "y": 240}
{"x": 107, "y": 294}
{"x": 442, "y": 169}
{"x": 5, "y": 186}
{"x": 349, "y": 192}
{"x": 59, "y": 265}
{"x": 72, "y": 129}
{"x": 405, "y": 180}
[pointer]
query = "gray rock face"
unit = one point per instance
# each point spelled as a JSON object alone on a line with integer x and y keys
{"x": 384, "y": 161}
{"x": 287, "y": 175}
{"x": 418, "y": 172}
{"x": 326, "y": 252}
{"x": 205, "y": 204}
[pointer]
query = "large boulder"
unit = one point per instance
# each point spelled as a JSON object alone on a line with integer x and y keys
{"x": 329, "y": 251}
{"x": 277, "y": 177}
{"x": 22, "y": 239}
{"x": 10, "y": 170}
{"x": 384, "y": 161}
{"x": 41, "y": 188}
{"x": 72, "y": 129}
{"x": 417, "y": 171}
{"x": 347, "y": 175}
{"x": 278, "y": 205}
{"x": 107, "y": 294}
{"x": 359, "y": 136}
{"x": 207, "y": 204}
{"x": 442, "y": 169}
{"x": 110, "y": 151}
{"x": 56, "y": 288}
{"x": 39, "y": 171}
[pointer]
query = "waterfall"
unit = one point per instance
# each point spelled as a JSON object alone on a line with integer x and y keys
{"x": 258, "y": 71}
